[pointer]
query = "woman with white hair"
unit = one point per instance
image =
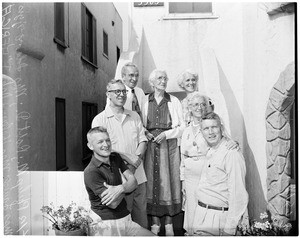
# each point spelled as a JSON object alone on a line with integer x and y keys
{"x": 164, "y": 123}
{"x": 188, "y": 81}
{"x": 193, "y": 155}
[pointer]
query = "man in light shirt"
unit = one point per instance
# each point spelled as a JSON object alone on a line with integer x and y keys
{"x": 128, "y": 138}
{"x": 136, "y": 96}
{"x": 221, "y": 193}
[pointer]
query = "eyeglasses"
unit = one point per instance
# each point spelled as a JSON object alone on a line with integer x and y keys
{"x": 118, "y": 91}
{"x": 202, "y": 105}
{"x": 161, "y": 78}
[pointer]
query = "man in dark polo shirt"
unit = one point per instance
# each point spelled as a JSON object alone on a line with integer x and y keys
{"x": 106, "y": 189}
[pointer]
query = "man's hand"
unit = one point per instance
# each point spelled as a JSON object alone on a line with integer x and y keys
{"x": 131, "y": 168}
{"x": 158, "y": 139}
{"x": 111, "y": 194}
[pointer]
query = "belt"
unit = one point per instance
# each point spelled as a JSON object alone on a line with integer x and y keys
{"x": 201, "y": 204}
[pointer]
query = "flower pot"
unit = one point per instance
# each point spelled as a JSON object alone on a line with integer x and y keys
{"x": 79, "y": 232}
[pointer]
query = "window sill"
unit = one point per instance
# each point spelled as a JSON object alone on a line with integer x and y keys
{"x": 63, "y": 169}
{"x": 59, "y": 42}
{"x": 105, "y": 55}
{"x": 189, "y": 16}
{"x": 89, "y": 62}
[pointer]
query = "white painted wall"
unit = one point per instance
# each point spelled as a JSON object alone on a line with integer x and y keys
{"x": 40, "y": 189}
{"x": 238, "y": 55}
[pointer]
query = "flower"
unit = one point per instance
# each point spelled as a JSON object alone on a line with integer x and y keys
{"x": 67, "y": 219}
{"x": 265, "y": 227}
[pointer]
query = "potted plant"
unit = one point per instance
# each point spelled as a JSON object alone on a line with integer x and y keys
{"x": 266, "y": 227}
{"x": 70, "y": 221}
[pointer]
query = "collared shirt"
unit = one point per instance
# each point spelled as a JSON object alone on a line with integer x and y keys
{"x": 98, "y": 172}
{"x": 125, "y": 134}
{"x": 222, "y": 183}
{"x": 140, "y": 97}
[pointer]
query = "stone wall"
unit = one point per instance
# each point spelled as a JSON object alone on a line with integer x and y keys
{"x": 278, "y": 143}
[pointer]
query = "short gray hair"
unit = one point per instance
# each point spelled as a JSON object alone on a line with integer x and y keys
{"x": 183, "y": 76}
{"x": 212, "y": 116}
{"x": 113, "y": 81}
{"x": 98, "y": 129}
{"x": 153, "y": 74}
{"x": 197, "y": 94}
{"x": 124, "y": 68}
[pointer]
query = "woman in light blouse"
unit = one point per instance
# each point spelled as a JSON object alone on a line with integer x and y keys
{"x": 193, "y": 151}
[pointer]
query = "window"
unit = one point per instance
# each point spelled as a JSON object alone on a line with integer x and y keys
{"x": 60, "y": 135}
{"x": 89, "y": 36}
{"x": 118, "y": 54}
{"x": 105, "y": 43}
{"x": 190, "y": 7}
{"x": 59, "y": 24}
{"x": 89, "y": 111}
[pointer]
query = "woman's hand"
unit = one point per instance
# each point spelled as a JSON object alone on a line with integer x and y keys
{"x": 149, "y": 135}
{"x": 231, "y": 145}
{"x": 158, "y": 139}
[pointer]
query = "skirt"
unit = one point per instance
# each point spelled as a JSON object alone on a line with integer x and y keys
{"x": 162, "y": 164}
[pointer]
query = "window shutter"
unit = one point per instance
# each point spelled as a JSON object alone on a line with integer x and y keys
{"x": 94, "y": 41}
{"x": 83, "y": 37}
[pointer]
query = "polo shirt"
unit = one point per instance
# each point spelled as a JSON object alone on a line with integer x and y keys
{"x": 98, "y": 172}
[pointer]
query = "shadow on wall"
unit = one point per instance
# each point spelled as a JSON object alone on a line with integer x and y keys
{"x": 148, "y": 63}
{"x": 257, "y": 202}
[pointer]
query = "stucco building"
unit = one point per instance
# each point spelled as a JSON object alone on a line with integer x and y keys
{"x": 61, "y": 56}
{"x": 244, "y": 54}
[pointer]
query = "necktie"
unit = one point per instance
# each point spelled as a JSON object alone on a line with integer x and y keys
{"x": 135, "y": 104}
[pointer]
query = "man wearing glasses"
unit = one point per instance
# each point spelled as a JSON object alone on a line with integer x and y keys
{"x": 128, "y": 138}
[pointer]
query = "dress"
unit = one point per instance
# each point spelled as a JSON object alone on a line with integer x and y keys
{"x": 193, "y": 150}
{"x": 162, "y": 161}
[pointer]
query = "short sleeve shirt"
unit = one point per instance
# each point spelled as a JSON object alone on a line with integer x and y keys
{"x": 98, "y": 172}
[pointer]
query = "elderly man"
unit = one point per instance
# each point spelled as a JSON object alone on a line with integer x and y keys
{"x": 103, "y": 181}
{"x": 221, "y": 193}
{"x": 136, "y": 96}
{"x": 128, "y": 138}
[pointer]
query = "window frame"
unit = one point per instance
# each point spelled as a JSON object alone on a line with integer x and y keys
{"x": 57, "y": 132}
{"x": 189, "y": 16}
{"x": 118, "y": 53}
{"x": 65, "y": 11}
{"x": 92, "y": 60}
{"x": 103, "y": 46}
{"x": 86, "y": 157}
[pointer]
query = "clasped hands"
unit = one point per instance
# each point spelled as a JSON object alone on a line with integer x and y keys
{"x": 158, "y": 139}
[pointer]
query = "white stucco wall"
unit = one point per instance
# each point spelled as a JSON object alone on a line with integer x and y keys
{"x": 238, "y": 55}
{"x": 268, "y": 49}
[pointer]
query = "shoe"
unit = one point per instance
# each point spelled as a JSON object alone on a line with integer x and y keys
{"x": 169, "y": 230}
{"x": 155, "y": 229}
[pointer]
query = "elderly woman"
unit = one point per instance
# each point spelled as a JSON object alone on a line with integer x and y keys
{"x": 164, "y": 123}
{"x": 187, "y": 81}
{"x": 193, "y": 151}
